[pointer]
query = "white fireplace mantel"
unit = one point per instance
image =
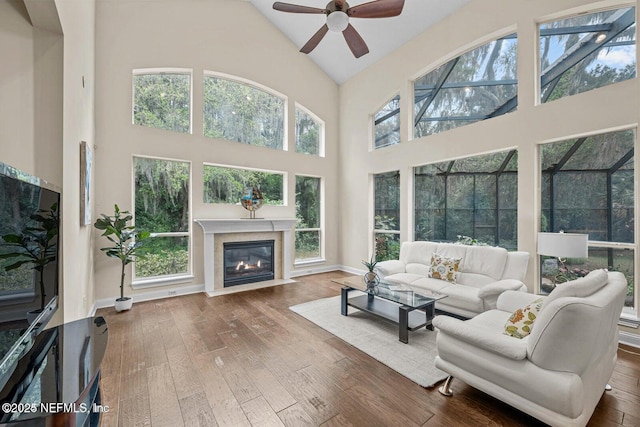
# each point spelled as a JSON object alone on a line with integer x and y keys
{"x": 211, "y": 227}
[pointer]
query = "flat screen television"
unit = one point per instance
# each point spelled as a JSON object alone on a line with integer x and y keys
{"x": 29, "y": 262}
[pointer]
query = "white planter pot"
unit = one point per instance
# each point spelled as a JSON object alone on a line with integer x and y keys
{"x": 123, "y": 304}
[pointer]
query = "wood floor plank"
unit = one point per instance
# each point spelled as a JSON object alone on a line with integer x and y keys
{"x": 260, "y": 413}
{"x": 246, "y": 358}
{"x": 163, "y": 401}
{"x": 196, "y": 411}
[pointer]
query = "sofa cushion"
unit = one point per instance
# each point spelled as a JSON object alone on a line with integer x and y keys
{"x": 486, "y": 260}
{"x": 473, "y": 279}
{"x": 418, "y": 268}
{"x": 433, "y": 285}
{"x": 403, "y": 278}
{"x": 521, "y": 321}
{"x": 452, "y": 250}
{"x": 444, "y": 268}
{"x": 464, "y": 297}
{"x": 582, "y": 287}
{"x": 417, "y": 252}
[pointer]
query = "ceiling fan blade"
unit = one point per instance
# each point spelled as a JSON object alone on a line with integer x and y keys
{"x": 296, "y": 8}
{"x": 315, "y": 39}
{"x": 355, "y": 41}
{"x": 377, "y": 9}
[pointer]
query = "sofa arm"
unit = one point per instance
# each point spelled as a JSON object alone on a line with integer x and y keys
{"x": 387, "y": 268}
{"x": 496, "y": 288}
{"x": 493, "y": 341}
{"x": 510, "y": 301}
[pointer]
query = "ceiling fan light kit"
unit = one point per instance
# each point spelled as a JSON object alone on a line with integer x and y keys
{"x": 338, "y": 13}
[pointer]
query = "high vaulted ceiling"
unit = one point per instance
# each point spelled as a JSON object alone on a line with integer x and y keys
{"x": 381, "y": 35}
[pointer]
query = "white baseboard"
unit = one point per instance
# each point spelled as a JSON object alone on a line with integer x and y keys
{"x": 148, "y": 296}
{"x": 351, "y": 270}
{"x": 629, "y": 339}
{"x": 307, "y": 270}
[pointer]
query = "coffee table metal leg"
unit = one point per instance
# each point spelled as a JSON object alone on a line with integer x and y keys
{"x": 403, "y": 323}
{"x": 344, "y": 299}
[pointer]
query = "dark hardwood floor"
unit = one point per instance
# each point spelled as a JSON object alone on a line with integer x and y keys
{"x": 246, "y": 359}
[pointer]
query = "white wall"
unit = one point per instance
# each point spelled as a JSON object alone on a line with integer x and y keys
{"x": 480, "y": 21}
{"x": 216, "y": 35}
{"x": 77, "y": 20}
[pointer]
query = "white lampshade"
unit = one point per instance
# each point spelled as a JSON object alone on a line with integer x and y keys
{"x": 337, "y": 21}
{"x": 563, "y": 245}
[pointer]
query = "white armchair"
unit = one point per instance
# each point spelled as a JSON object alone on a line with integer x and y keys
{"x": 559, "y": 371}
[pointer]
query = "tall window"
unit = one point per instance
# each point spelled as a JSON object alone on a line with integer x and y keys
{"x": 585, "y": 52}
{"x": 162, "y": 99}
{"x": 223, "y": 184}
{"x": 386, "y": 233}
{"x": 309, "y": 133}
{"x": 162, "y": 207}
{"x": 473, "y": 197}
{"x": 386, "y": 124}
{"x": 475, "y": 86}
{"x": 588, "y": 187}
{"x": 241, "y": 112}
{"x": 308, "y": 214}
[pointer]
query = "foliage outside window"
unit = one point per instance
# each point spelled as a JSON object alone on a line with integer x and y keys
{"x": 162, "y": 100}
{"x": 588, "y": 187}
{"x": 240, "y": 112}
{"x": 475, "y": 197}
{"x": 386, "y": 124}
{"x": 586, "y": 52}
{"x": 475, "y": 86}
{"x": 308, "y": 133}
{"x": 386, "y": 231}
{"x": 162, "y": 207}
{"x": 308, "y": 213}
{"x": 224, "y": 184}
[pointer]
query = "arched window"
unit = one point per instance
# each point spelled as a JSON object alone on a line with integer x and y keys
{"x": 586, "y": 52}
{"x": 386, "y": 124}
{"x": 162, "y": 99}
{"x": 243, "y": 112}
{"x": 475, "y": 86}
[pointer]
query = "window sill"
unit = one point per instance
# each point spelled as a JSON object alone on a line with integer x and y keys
{"x": 629, "y": 319}
{"x": 310, "y": 261}
{"x": 161, "y": 281}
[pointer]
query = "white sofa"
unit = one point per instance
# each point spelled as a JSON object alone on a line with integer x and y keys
{"x": 557, "y": 373}
{"x": 484, "y": 273}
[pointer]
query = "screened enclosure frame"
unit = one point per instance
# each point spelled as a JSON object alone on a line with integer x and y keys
{"x": 448, "y": 173}
{"x": 607, "y": 239}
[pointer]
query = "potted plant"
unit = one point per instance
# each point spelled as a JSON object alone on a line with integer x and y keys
{"x": 371, "y": 277}
{"x": 36, "y": 245}
{"x": 127, "y": 244}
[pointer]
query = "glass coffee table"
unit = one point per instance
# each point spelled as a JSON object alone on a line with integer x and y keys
{"x": 398, "y": 303}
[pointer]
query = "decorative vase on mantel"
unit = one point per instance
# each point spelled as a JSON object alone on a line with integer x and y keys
{"x": 252, "y": 200}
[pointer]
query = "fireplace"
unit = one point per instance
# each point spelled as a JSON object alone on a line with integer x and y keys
{"x": 248, "y": 262}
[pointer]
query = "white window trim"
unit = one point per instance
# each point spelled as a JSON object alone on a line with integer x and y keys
{"x": 139, "y": 283}
{"x": 319, "y": 122}
{"x": 285, "y": 177}
{"x": 145, "y": 71}
{"x": 285, "y": 99}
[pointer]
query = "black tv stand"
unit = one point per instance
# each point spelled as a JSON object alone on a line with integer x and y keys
{"x": 58, "y": 381}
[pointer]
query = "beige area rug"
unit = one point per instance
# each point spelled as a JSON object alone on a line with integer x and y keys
{"x": 378, "y": 338}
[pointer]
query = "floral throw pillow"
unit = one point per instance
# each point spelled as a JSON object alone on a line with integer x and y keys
{"x": 444, "y": 268}
{"x": 521, "y": 321}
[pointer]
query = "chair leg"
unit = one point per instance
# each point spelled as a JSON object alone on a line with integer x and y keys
{"x": 445, "y": 389}
{"x": 608, "y": 388}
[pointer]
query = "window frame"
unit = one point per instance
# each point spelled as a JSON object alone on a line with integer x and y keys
{"x": 162, "y": 70}
{"x": 285, "y": 177}
{"x": 376, "y": 231}
{"x": 387, "y": 116}
{"x": 320, "y": 229}
{"x": 321, "y": 130}
{"x": 630, "y": 316}
{"x": 538, "y": 61}
{"x": 169, "y": 279}
{"x": 255, "y": 85}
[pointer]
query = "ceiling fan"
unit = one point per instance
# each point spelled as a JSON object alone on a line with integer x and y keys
{"x": 338, "y": 13}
